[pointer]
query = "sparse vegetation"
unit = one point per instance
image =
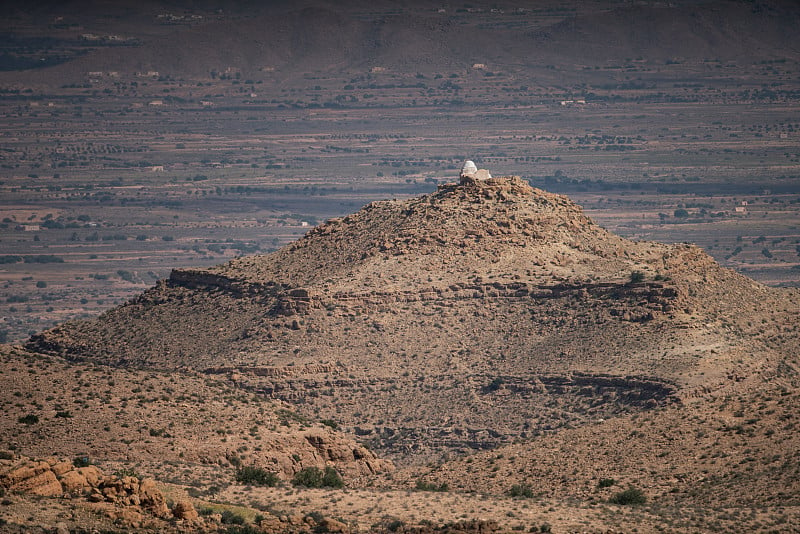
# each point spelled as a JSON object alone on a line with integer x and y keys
{"x": 521, "y": 490}
{"x": 422, "y": 485}
{"x": 628, "y": 497}
{"x": 30, "y": 419}
{"x": 314, "y": 477}
{"x": 81, "y": 461}
{"x": 257, "y": 476}
{"x": 230, "y": 517}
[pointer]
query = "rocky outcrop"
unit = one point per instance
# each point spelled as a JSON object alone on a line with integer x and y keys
{"x": 356, "y": 458}
{"x": 131, "y": 491}
{"x": 320, "y": 448}
{"x": 185, "y": 510}
{"x": 128, "y": 498}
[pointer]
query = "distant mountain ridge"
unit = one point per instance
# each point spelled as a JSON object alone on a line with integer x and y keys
{"x": 292, "y": 38}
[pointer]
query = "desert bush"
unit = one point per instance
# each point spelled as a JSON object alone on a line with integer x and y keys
{"x": 314, "y": 477}
{"x": 331, "y": 478}
{"x": 395, "y": 525}
{"x": 330, "y": 423}
{"x": 81, "y": 461}
{"x": 606, "y": 482}
{"x": 43, "y": 258}
{"x": 521, "y": 490}
{"x": 630, "y": 496}
{"x": 257, "y": 476}
{"x": 232, "y": 518}
{"x": 637, "y": 276}
{"x": 310, "y": 477}
{"x": 494, "y": 385}
{"x": 431, "y": 486}
{"x": 125, "y": 472}
{"x": 30, "y": 419}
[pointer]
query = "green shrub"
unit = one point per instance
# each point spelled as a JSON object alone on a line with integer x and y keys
{"x": 331, "y": 423}
{"x": 125, "y": 472}
{"x": 494, "y": 385}
{"x": 310, "y": 477}
{"x": 630, "y": 496}
{"x": 232, "y": 518}
{"x": 332, "y": 479}
{"x": 30, "y": 419}
{"x": 257, "y": 476}
{"x": 314, "y": 477}
{"x": 431, "y": 486}
{"x": 42, "y": 258}
{"x": 606, "y": 482}
{"x": 81, "y": 461}
{"x": 521, "y": 490}
{"x": 395, "y": 525}
{"x": 680, "y": 213}
{"x": 636, "y": 277}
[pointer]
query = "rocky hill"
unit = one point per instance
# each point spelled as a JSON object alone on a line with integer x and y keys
{"x": 484, "y": 312}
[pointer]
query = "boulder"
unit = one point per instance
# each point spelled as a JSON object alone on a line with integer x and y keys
{"x": 328, "y": 524}
{"x": 185, "y": 510}
{"x": 92, "y": 474}
{"x": 152, "y": 499}
{"x": 45, "y": 484}
{"x": 74, "y": 483}
{"x": 17, "y": 474}
{"x": 61, "y": 467}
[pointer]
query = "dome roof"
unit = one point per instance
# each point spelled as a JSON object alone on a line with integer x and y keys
{"x": 469, "y": 167}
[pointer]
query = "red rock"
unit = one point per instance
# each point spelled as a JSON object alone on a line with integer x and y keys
{"x": 45, "y": 484}
{"x": 185, "y": 510}
{"x": 74, "y": 482}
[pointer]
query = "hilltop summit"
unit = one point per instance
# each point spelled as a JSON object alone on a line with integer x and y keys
{"x": 495, "y": 228}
